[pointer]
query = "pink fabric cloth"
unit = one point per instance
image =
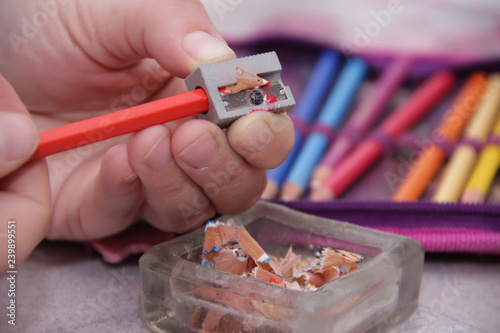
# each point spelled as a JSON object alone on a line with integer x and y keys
{"x": 135, "y": 240}
{"x": 459, "y": 240}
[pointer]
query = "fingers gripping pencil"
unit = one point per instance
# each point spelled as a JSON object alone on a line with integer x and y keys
{"x": 204, "y": 99}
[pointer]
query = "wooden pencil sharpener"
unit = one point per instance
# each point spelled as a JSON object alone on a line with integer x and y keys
{"x": 179, "y": 294}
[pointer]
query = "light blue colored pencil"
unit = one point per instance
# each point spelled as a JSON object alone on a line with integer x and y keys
{"x": 329, "y": 120}
{"x": 304, "y": 113}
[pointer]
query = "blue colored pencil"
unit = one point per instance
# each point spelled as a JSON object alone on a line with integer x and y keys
{"x": 362, "y": 119}
{"x": 330, "y": 119}
{"x": 304, "y": 113}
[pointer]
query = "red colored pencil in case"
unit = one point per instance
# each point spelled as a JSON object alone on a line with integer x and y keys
{"x": 369, "y": 151}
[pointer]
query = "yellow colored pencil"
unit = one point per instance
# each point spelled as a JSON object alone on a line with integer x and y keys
{"x": 479, "y": 183}
{"x": 433, "y": 156}
{"x": 463, "y": 160}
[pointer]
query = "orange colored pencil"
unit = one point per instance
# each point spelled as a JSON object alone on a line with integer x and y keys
{"x": 448, "y": 132}
{"x": 464, "y": 158}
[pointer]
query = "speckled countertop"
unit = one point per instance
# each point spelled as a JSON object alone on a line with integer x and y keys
{"x": 64, "y": 287}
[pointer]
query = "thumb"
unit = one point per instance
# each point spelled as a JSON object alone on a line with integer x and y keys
{"x": 177, "y": 34}
{"x": 18, "y": 135}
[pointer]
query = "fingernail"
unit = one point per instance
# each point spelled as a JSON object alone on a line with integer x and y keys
{"x": 256, "y": 137}
{"x": 201, "y": 153}
{"x": 18, "y": 136}
{"x": 159, "y": 156}
{"x": 205, "y": 48}
{"x": 130, "y": 178}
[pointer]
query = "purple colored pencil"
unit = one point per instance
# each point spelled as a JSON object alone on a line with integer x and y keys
{"x": 362, "y": 119}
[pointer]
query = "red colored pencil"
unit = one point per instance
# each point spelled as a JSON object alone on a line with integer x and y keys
{"x": 417, "y": 106}
{"x": 121, "y": 122}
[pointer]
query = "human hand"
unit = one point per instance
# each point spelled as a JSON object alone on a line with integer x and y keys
{"x": 24, "y": 191}
{"x": 90, "y": 58}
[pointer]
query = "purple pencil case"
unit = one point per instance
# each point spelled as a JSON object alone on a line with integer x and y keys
{"x": 441, "y": 227}
{"x": 450, "y": 227}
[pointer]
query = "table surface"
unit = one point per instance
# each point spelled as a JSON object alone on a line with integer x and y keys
{"x": 64, "y": 287}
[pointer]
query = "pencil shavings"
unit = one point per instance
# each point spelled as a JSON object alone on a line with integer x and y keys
{"x": 244, "y": 81}
{"x": 230, "y": 248}
{"x": 217, "y": 236}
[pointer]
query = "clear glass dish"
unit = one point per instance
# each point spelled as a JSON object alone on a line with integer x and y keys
{"x": 178, "y": 292}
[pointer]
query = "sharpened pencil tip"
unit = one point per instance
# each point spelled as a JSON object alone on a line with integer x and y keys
{"x": 291, "y": 191}
{"x": 473, "y": 195}
{"x": 320, "y": 175}
{"x": 314, "y": 185}
{"x": 321, "y": 194}
{"x": 271, "y": 190}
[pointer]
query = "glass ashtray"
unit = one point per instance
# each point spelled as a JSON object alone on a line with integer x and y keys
{"x": 181, "y": 295}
